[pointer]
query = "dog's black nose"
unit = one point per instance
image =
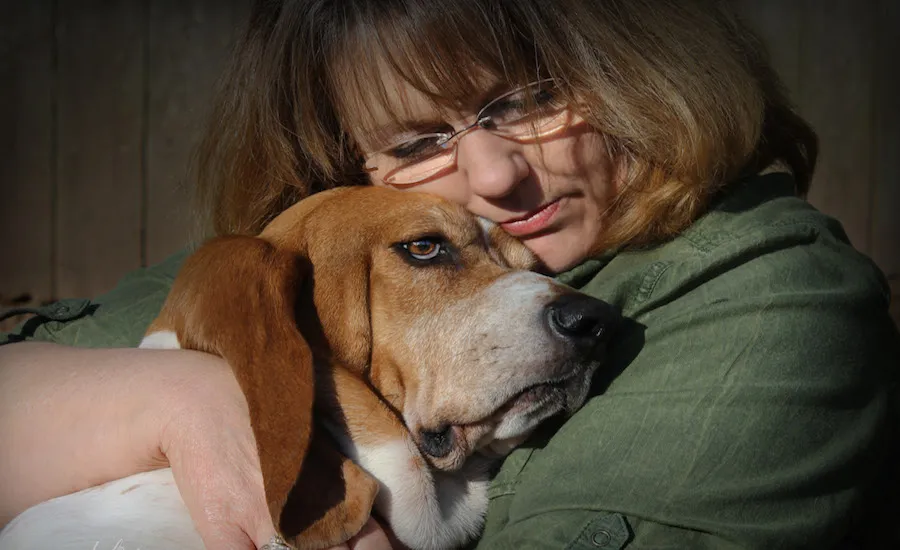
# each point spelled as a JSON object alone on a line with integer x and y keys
{"x": 581, "y": 319}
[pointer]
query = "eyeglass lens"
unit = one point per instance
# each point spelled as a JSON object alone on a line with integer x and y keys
{"x": 530, "y": 112}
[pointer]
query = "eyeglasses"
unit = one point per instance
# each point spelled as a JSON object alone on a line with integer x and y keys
{"x": 531, "y": 112}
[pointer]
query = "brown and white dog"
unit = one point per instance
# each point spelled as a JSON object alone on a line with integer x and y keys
{"x": 414, "y": 332}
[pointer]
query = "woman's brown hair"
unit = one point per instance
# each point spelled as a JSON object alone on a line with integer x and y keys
{"x": 683, "y": 93}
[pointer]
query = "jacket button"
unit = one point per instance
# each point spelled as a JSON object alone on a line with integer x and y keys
{"x": 601, "y": 538}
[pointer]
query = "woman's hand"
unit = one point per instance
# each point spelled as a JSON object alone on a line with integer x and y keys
{"x": 210, "y": 446}
{"x": 213, "y": 455}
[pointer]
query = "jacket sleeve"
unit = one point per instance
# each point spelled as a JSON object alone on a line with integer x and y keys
{"x": 118, "y": 318}
{"x": 747, "y": 405}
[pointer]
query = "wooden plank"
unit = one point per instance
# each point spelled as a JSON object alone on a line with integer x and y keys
{"x": 26, "y": 147}
{"x": 836, "y": 85}
{"x": 189, "y": 42}
{"x": 886, "y": 196}
{"x": 779, "y": 24}
{"x": 100, "y": 101}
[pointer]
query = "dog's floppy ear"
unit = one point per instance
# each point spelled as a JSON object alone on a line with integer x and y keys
{"x": 340, "y": 278}
{"x": 235, "y": 297}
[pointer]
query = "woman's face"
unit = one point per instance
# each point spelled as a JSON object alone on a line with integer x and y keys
{"x": 551, "y": 194}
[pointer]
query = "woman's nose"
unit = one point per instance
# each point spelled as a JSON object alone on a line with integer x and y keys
{"x": 492, "y": 165}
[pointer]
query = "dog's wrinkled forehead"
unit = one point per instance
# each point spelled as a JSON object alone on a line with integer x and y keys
{"x": 370, "y": 221}
{"x": 357, "y": 221}
{"x": 405, "y": 251}
{"x": 386, "y": 216}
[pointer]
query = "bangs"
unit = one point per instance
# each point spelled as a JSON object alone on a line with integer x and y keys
{"x": 451, "y": 54}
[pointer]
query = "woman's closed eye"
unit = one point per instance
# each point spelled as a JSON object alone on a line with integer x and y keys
{"x": 513, "y": 108}
{"x": 420, "y": 146}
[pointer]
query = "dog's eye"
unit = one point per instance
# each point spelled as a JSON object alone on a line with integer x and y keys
{"x": 424, "y": 249}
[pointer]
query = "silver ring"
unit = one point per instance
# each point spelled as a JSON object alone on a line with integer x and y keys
{"x": 276, "y": 543}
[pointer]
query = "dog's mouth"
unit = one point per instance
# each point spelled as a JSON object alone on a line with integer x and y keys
{"x": 521, "y": 413}
{"x": 447, "y": 446}
{"x": 537, "y": 396}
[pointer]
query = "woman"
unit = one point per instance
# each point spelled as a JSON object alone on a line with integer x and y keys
{"x": 646, "y": 153}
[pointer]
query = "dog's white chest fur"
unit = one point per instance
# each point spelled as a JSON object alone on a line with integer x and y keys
{"x": 139, "y": 512}
{"x": 426, "y": 508}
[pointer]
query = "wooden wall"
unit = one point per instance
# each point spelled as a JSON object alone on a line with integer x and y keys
{"x": 100, "y": 102}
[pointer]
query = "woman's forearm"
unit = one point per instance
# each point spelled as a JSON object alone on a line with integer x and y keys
{"x": 72, "y": 418}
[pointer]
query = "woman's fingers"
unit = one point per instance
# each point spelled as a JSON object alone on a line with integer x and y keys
{"x": 223, "y": 491}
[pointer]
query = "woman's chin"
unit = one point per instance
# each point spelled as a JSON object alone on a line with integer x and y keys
{"x": 569, "y": 237}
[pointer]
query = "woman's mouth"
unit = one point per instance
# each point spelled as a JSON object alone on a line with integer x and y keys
{"x": 533, "y": 222}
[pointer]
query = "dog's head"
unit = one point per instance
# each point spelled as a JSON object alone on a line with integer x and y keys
{"x": 432, "y": 310}
{"x": 435, "y": 309}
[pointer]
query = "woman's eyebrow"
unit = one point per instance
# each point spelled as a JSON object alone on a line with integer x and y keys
{"x": 492, "y": 92}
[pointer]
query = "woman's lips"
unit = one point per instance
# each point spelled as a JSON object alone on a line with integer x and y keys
{"x": 533, "y": 222}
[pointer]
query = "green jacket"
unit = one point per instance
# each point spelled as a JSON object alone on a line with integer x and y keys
{"x": 748, "y": 402}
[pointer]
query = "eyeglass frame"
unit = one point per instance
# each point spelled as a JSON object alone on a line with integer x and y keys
{"x": 452, "y": 138}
